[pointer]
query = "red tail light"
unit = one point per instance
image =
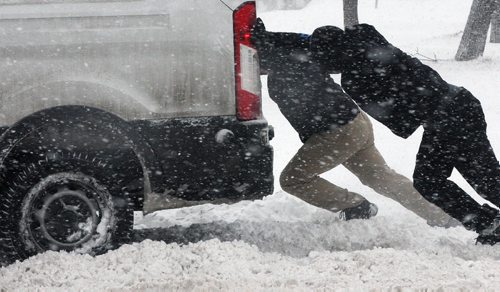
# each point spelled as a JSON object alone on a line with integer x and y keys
{"x": 248, "y": 94}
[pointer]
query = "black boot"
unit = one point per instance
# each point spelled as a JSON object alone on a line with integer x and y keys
{"x": 365, "y": 210}
{"x": 491, "y": 234}
{"x": 481, "y": 220}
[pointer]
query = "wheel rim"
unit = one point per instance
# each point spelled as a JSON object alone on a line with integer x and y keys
{"x": 68, "y": 218}
{"x": 65, "y": 212}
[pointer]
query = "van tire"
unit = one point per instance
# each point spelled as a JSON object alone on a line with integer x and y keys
{"x": 67, "y": 201}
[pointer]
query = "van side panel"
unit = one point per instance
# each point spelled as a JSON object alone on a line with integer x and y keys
{"x": 137, "y": 59}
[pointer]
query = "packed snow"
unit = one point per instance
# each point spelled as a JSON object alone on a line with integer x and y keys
{"x": 281, "y": 243}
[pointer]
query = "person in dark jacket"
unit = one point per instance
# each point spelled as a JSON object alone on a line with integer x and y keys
{"x": 334, "y": 132}
{"x": 404, "y": 94}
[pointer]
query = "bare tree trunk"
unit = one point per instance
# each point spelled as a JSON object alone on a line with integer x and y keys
{"x": 476, "y": 30}
{"x": 495, "y": 25}
{"x": 350, "y": 12}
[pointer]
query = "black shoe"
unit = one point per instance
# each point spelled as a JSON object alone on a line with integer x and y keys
{"x": 491, "y": 234}
{"x": 365, "y": 210}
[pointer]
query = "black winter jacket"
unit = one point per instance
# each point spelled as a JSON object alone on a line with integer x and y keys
{"x": 308, "y": 98}
{"x": 392, "y": 87}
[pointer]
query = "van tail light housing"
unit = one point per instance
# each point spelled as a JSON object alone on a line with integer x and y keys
{"x": 248, "y": 87}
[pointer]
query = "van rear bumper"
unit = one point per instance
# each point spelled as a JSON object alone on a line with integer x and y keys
{"x": 211, "y": 158}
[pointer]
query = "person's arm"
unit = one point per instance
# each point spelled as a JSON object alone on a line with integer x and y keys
{"x": 276, "y": 49}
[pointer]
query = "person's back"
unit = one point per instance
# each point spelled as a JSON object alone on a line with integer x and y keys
{"x": 308, "y": 98}
{"x": 403, "y": 94}
{"x": 394, "y": 88}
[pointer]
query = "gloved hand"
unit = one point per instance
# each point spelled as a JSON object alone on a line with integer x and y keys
{"x": 260, "y": 37}
{"x": 262, "y": 42}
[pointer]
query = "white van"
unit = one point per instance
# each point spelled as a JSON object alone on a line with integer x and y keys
{"x": 111, "y": 106}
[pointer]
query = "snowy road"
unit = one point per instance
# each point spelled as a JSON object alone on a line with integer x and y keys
{"x": 281, "y": 243}
{"x": 299, "y": 248}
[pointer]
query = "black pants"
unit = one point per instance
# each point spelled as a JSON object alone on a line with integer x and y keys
{"x": 455, "y": 137}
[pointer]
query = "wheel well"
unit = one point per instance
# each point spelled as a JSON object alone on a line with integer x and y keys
{"x": 81, "y": 130}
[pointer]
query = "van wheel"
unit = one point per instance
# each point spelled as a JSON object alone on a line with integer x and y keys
{"x": 66, "y": 202}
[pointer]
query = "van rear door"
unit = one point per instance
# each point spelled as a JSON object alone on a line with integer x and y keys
{"x": 141, "y": 59}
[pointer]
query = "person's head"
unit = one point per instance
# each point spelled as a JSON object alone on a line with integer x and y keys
{"x": 327, "y": 47}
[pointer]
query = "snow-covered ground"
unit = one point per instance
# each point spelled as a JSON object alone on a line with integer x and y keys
{"x": 281, "y": 243}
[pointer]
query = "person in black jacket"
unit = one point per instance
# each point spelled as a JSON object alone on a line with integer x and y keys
{"x": 404, "y": 94}
{"x": 334, "y": 131}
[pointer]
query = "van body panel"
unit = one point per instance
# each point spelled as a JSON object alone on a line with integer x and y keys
{"x": 145, "y": 59}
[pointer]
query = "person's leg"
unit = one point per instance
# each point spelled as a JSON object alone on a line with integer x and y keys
{"x": 480, "y": 168}
{"x": 372, "y": 170}
{"x": 320, "y": 153}
{"x": 477, "y": 162}
{"x": 435, "y": 161}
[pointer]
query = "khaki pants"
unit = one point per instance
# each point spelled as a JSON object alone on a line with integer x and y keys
{"x": 352, "y": 146}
